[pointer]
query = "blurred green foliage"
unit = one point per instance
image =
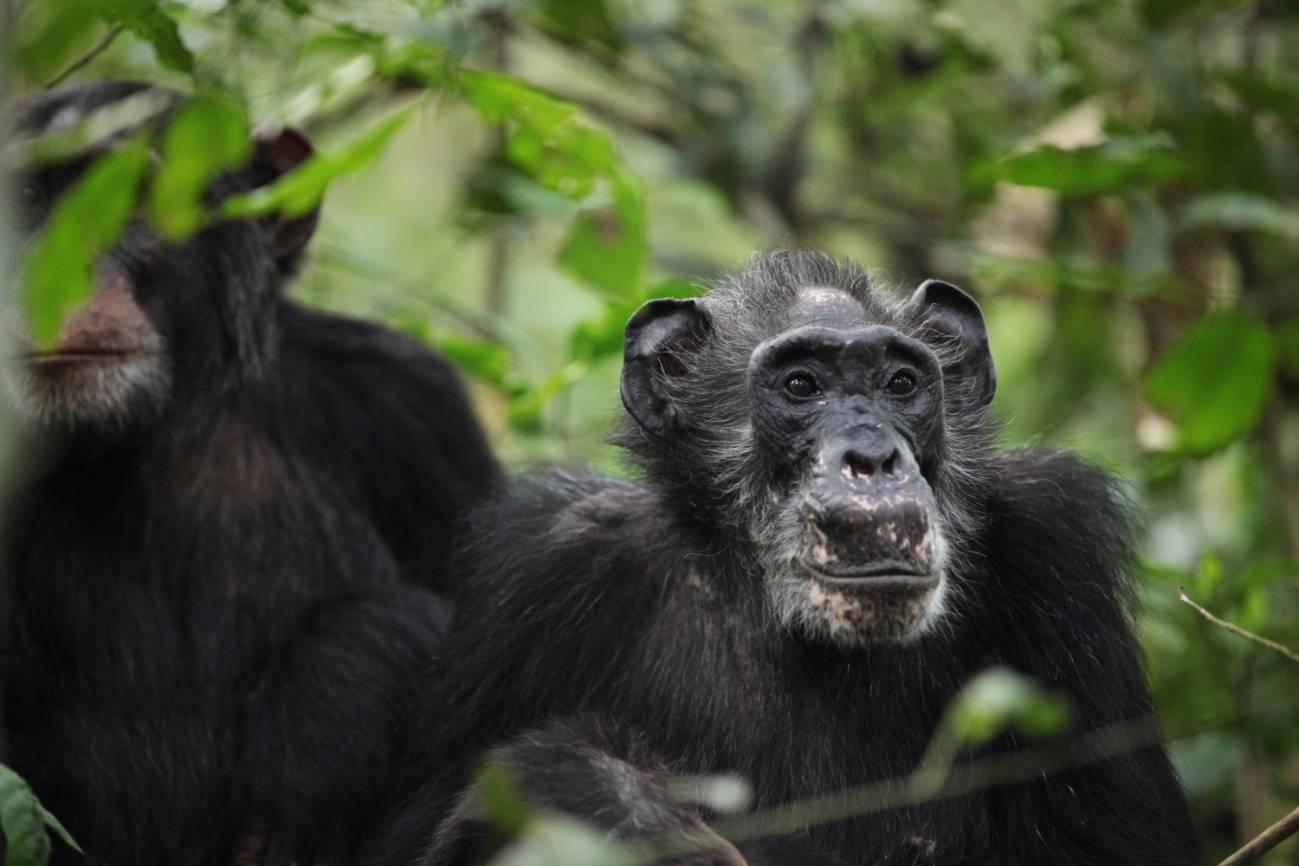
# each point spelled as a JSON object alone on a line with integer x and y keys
{"x": 1117, "y": 180}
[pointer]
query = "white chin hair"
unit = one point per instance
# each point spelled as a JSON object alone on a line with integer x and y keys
{"x": 106, "y": 395}
{"x": 851, "y": 618}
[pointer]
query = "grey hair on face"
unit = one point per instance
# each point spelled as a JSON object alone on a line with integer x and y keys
{"x": 802, "y": 604}
{"x": 105, "y": 397}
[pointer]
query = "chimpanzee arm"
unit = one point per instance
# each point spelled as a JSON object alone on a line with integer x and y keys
{"x": 564, "y": 768}
{"x": 1066, "y": 584}
{"x": 321, "y": 721}
{"x": 572, "y": 767}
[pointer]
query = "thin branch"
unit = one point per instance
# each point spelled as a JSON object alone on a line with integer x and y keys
{"x": 100, "y": 47}
{"x": 933, "y": 784}
{"x": 1265, "y": 841}
{"x": 1289, "y": 825}
{"x": 1237, "y": 630}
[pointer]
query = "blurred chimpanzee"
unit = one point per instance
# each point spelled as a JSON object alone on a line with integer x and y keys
{"x": 826, "y": 546}
{"x": 212, "y": 608}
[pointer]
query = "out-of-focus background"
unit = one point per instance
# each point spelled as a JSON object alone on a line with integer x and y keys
{"x": 1116, "y": 180}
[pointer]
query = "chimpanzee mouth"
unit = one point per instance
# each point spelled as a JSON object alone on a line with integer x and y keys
{"x": 882, "y": 574}
{"x": 74, "y": 356}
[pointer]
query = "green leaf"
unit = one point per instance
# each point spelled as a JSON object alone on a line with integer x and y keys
{"x": 1215, "y": 381}
{"x": 607, "y": 247}
{"x": 488, "y": 361}
{"x": 544, "y": 135}
{"x": 501, "y": 798}
{"x": 556, "y": 840}
{"x": 300, "y": 190}
{"x": 159, "y": 30}
{"x": 1241, "y": 211}
{"x": 57, "y": 32}
{"x": 25, "y": 823}
{"x": 1110, "y": 167}
{"x": 547, "y": 140}
{"x": 89, "y": 218}
{"x": 208, "y": 135}
{"x": 998, "y": 699}
{"x": 525, "y": 411}
{"x": 602, "y": 335}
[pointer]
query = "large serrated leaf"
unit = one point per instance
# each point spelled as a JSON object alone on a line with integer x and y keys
{"x": 89, "y": 218}
{"x": 208, "y": 135}
{"x": 1215, "y": 381}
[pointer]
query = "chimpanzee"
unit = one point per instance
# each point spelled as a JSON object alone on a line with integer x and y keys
{"x": 219, "y": 575}
{"x": 825, "y": 546}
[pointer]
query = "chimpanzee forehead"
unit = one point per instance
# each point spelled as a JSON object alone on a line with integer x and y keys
{"x": 828, "y": 307}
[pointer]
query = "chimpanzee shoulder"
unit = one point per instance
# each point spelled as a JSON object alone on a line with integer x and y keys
{"x": 380, "y": 411}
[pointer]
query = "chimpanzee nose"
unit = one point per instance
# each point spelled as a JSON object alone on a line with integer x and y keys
{"x": 874, "y": 461}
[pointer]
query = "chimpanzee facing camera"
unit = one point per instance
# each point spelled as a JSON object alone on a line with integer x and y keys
{"x": 230, "y": 563}
{"x": 825, "y": 547}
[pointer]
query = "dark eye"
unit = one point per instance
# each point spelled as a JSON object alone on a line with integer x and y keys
{"x": 801, "y": 385}
{"x": 902, "y": 383}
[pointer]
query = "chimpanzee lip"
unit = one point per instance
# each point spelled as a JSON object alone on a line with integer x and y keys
{"x": 882, "y": 574}
{"x": 82, "y": 356}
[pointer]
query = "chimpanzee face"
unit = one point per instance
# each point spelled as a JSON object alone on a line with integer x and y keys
{"x": 851, "y": 411}
{"x": 837, "y": 457}
{"x": 167, "y": 323}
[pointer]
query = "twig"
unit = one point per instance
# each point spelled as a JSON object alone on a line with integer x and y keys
{"x": 1265, "y": 841}
{"x": 928, "y": 784}
{"x": 1237, "y": 630}
{"x": 100, "y": 48}
{"x": 1289, "y": 825}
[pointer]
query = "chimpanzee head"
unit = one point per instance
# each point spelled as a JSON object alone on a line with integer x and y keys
{"x": 168, "y": 324}
{"x": 837, "y": 431}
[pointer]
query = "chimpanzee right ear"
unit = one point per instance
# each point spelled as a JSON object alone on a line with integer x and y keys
{"x": 658, "y": 335}
{"x": 277, "y": 152}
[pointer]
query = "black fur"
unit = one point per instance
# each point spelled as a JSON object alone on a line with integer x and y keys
{"x": 212, "y": 610}
{"x": 640, "y": 604}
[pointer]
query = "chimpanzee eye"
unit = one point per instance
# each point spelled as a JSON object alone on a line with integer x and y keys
{"x": 902, "y": 383}
{"x": 801, "y": 385}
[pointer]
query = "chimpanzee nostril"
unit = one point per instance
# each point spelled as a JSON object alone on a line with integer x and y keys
{"x": 866, "y": 463}
{"x": 857, "y": 465}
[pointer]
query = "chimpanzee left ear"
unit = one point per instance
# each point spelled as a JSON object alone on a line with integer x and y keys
{"x": 277, "y": 153}
{"x": 657, "y": 337}
{"x": 950, "y": 317}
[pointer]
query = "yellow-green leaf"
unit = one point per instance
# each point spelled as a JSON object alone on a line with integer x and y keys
{"x": 89, "y": 218}
{"x": 208, "y": 135}
{"x": 301, "y": 189}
